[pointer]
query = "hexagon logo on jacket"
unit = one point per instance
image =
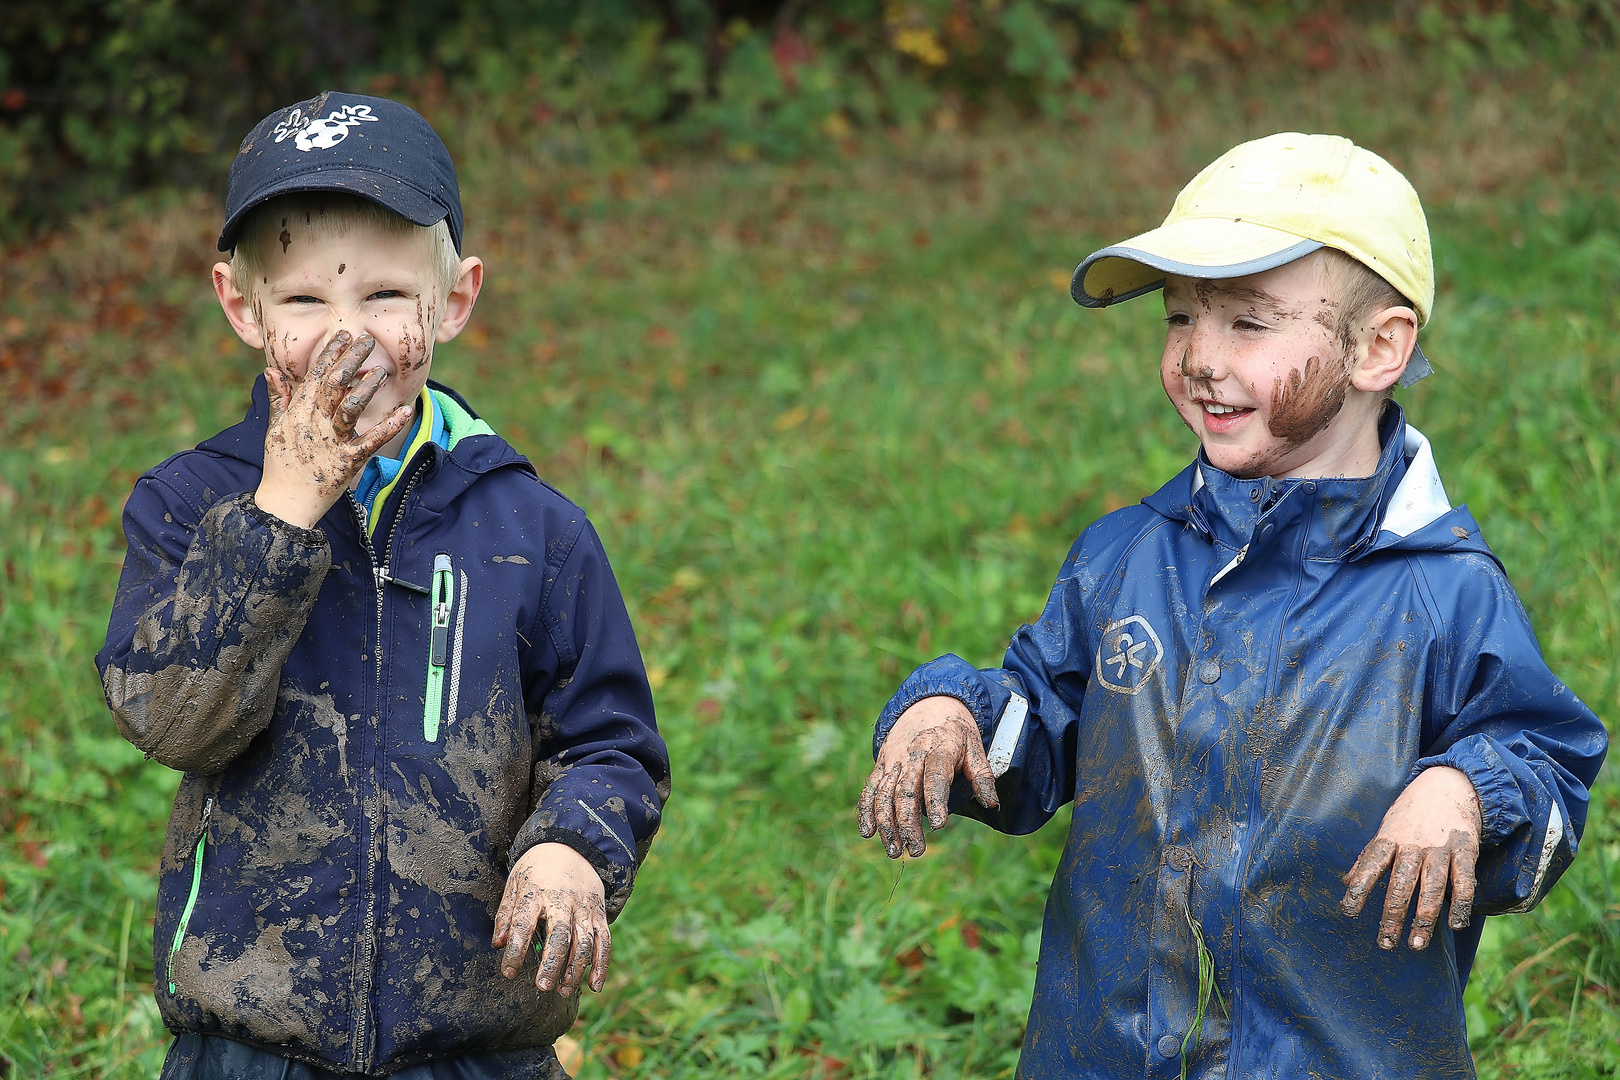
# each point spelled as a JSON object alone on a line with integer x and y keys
{"x": 1130, "y": 652}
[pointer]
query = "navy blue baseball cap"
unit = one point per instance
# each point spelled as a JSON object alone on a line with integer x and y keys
{"x": 366, "y": 146}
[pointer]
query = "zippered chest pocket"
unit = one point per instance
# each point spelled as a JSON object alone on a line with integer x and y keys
{"x": 447, "y": 614}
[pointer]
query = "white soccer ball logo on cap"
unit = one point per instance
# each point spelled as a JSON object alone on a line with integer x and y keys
{"x": 327, "y": 132}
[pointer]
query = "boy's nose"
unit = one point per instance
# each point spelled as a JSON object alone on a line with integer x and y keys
{"x": 1195, "y": 362}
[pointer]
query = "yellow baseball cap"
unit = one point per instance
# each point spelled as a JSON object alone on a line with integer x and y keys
{"x": 1264, "y": 204}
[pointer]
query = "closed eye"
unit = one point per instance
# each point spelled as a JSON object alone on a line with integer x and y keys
{"x": 1250, "y": 324}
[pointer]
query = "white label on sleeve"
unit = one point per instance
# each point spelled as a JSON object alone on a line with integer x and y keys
{"x": 1009, "y": 729}
{"x": 1549, "y": 847}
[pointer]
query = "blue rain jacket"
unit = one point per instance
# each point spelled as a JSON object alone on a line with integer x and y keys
{"x": 1232, "y": 682}
{"x": 372, "y": 733}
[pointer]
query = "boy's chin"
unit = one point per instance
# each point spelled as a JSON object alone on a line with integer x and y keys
{"x": 1243, "y": 463}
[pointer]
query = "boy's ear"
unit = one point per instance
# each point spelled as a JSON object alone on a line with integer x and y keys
{"x": 458, "y": 306}
{"x": 238, "y": 311}
{"x": 1386, "y": 345}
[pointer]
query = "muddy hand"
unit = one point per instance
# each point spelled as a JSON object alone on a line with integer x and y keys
{"x": 311, "y": 449}
{"x": 553, "y": 886}
{"x": 1428, "y": 840}
{"x": 930, "y": 744}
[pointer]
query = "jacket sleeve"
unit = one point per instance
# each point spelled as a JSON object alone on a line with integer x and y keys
{"x": 1028, "y": 710}
{"x": 601, "y": 776}
{"x": 209, "y": 604}
{"x": 1530, "y": 747}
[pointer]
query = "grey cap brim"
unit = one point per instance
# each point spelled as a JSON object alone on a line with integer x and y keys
{"x": 386, "y": 191}
{"x": 1133, "y": 271}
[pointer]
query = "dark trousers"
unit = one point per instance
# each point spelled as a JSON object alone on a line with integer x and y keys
{"x": 209, "y": 1057}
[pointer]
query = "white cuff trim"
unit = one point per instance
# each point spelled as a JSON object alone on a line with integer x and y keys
{"x": 1009, "y": 729}
{"x": 1549, "y": 847}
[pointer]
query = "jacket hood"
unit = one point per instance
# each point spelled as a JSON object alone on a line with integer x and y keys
{"x": 475, "y": 448}
{"x": 1402, "y": 506}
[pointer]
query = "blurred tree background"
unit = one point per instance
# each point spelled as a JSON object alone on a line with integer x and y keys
{"x": 102, "y": 97}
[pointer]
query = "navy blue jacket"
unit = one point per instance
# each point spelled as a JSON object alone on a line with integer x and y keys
{"x": 1232, "y": 682}
{"x": 372, "y": 732}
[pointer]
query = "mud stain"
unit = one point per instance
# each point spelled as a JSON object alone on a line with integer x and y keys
{"x": 199, "y": 716}
{"x": 1308, "y": 401}
{"x": 255, "y": 989}
{"x": 1203, "y": 371}
{"x": 324, "y": 712}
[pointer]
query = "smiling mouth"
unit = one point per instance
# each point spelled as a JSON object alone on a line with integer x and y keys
{"x": 1215, "y": 408}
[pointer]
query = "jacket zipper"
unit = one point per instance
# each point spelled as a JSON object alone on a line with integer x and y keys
{"x": 196, "y": 887}
{"x": 438, "y": 646}
{"x": 368, "y": 937}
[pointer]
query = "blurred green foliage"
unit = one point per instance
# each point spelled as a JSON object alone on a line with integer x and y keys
{"x": 102, "y": 97}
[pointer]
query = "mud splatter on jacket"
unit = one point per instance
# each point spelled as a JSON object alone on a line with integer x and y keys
{"x": 1232, "y": 682}
{"x": 371, "y": 734}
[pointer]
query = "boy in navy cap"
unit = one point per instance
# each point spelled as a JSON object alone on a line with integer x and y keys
{"x": 1290, "y": 671}
{"x": 391, "y": 661}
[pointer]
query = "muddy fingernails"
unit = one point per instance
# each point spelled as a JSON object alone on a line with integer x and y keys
{"x": 1420, "y": 941}
{"x": 1386, "y": 942}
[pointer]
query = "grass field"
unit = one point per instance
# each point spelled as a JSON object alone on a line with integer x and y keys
{"x": 832, "y": 418}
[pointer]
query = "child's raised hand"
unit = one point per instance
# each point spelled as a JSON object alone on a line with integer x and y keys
{"x": 931, "y": 742}
{"x": 1429, "y": 838}
{"x": 311, "y": 450}
{"x": 552, "y": 883}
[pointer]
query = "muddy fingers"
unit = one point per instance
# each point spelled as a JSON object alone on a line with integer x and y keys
{"x": 936, "y": 783}
{"x": 557, "y": 950}
{"x": 1428, "y": 840}
{"x": 1403, "y": 878}
{"x": 554, "y": 891}
{"x": 601, "y": 953}
{"x": 1431, "y": 896}
{"x": 931, "y": 743}
{"x": 866, "y": 810}
{"x": 1375, "y": 859}
{"x": 980, "y": 775}
{"x": 515, "y": 924}
{"x": 1462, "y": 886}
{"x": 885, "y": 811}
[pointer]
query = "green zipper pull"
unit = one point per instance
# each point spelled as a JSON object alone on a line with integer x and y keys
{"x": 438, "y": 647}
{"x": 196, "y": 887}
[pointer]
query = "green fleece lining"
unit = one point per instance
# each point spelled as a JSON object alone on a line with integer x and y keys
{"x": 458, "y": 421}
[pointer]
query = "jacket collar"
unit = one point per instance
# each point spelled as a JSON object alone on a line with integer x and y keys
{"x": 1398, "y": 505}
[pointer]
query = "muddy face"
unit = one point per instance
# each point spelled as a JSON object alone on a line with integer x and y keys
{"x": 1308, "y": 401}
{"x": 363, "y": 281}
{"x": 1257, "y": 368}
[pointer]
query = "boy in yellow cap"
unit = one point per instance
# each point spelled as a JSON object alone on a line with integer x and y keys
{"x": 1292, "y": 670}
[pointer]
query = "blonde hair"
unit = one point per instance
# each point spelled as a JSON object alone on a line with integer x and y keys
{"x": 329, "y": 214}
{"x": 1357, "y": 290}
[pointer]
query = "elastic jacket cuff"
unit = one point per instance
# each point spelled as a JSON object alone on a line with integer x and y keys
{"x": 293, "y": 534}
{"x": 948, "y": 676}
